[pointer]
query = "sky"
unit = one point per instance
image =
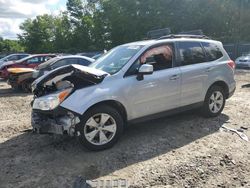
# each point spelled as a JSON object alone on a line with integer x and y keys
{"x": 14, "y": 12}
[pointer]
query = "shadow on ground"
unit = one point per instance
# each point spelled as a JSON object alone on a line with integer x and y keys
{"x": 245, "y": 86}
{"x": 6, "y": 91}
{"x": 31, "y": 160}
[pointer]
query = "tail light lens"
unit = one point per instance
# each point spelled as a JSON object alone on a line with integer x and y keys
{"x": 231, "y": 64}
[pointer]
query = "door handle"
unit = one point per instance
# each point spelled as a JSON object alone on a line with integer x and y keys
{"x": 174, "y": 77}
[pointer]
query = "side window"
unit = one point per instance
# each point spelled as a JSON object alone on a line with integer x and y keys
{"x": 160, "y": 57}
{"x": 72, "y": 61}
{"x": 64, "y": 62}
{"x": 33, "y": 60}
{"x": 191, "y": 53}
{"x": 213, "y": 52}
{"x": 59, "y": 63}
{"x": 46, "y": 58}
{"x": 20, "y": 56}
{"x": 13, "y": 58}
{"x": 83, "y": 62}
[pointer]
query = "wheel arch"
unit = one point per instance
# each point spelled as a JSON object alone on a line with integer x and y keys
{"x": 114, "y": 104}
{"x": 222, "y": 84}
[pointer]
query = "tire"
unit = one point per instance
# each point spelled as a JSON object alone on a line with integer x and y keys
{"x": 91, "y": 131}
{"x": 16, "y": 87}
{"x": 213, "y": 108}
{"x": 26, "y": 87}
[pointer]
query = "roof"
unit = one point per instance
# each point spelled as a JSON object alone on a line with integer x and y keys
{"x": 171, "y": 39}
{"x": 76, "y": 56}
{"x": 55, "y": 59}
{"x": 140, "y": 43}
{"x": 33, "y": 55}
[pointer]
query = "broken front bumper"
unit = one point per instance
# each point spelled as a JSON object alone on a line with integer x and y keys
{"x": 49, "y": 122}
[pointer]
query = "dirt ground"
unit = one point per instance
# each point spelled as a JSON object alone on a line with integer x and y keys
{"x": 184, "y": 150}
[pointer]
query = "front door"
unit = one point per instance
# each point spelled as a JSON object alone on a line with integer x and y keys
{"x": 157, "y": 92}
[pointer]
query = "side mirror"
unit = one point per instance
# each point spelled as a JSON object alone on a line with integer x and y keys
{"x": 145, "y": 69}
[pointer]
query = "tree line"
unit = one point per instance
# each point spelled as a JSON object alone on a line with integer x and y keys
{"x": 102, "y": 24}
{"x": 7, "y": 46}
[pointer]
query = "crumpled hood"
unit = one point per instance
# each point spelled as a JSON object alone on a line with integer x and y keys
{"x": 91, "y": 75}
{"x": 20, "y": 70}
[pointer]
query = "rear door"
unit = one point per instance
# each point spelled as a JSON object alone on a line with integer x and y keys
{"x": 194, "y": 69}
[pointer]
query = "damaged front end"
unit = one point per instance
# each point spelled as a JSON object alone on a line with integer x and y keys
{"x": 17, "y": 76}
{"x": 52, "y": 89}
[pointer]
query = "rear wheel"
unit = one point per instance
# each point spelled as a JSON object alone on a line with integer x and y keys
{"x": 214, "y": 102}
{"x": 100, "y": 128}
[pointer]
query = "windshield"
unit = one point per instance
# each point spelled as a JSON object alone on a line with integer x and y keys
{"x": 47, "y": 63}
{"x": 5, "y": 58}
{"x": 23, "y": 59}
{"x": 115, "y": 59}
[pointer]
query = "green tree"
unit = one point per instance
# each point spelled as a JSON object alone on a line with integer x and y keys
{"x": 39, "y": 34}
{"x": 9, "y": 46}
{"x": 98, "y": 24}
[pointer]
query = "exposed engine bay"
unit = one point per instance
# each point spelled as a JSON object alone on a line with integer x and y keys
{"x": 52, "y": 89}
{"x": 71, "y": 76}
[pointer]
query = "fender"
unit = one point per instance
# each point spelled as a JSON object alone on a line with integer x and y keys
{"x": 81, "y": 100}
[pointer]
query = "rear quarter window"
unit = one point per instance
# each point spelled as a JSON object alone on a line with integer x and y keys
{"x": 213, "y": 52}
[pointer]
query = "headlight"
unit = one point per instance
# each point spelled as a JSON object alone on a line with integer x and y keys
{"x": 35, "y": 74}
{"x": 50, "y": 102}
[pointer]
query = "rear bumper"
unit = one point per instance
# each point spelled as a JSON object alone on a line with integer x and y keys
{"x": 49, "y": 123}
{"x": 231, "y": 93}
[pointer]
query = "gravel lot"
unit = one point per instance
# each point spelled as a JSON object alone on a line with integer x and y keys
{"x": 184, "y": 150}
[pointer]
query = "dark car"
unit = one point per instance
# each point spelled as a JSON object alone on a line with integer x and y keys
{"x": 22, "y": 78}
{"x": 28, "y": 62}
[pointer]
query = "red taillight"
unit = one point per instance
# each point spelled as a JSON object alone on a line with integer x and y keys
{"x": 231, "y": 64}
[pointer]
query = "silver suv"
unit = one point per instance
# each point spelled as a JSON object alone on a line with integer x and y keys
{"x": 133, "y": 82}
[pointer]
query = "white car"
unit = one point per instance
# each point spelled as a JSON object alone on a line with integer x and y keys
{"x": 133, "y": 82}
{"x": 243, "y": 62}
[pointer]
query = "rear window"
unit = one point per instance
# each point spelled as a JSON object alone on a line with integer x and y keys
{"x": 191, "y": 53}
{"x": 213, "y": 52}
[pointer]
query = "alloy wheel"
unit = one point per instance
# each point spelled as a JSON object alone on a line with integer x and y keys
{"x": 216, "y": 102}
{"x": 100, "y": 129}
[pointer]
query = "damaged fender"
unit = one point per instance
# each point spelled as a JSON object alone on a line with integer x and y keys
{"x": 81, "y": 100}
{"x": 84, "y": 81}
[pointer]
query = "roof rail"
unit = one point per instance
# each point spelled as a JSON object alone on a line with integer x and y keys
{"x": 192, "y": 32}
{"x": 184, "y": 36}
{"x": 155, "y": 34}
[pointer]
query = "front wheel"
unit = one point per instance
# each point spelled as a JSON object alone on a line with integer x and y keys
{"x": 214, "y": 102}
{"x": 26, "y": 86}
{"x": 100, "y": 128}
